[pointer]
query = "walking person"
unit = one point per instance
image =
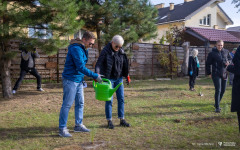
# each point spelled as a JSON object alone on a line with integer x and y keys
{"x": 113, "y": 64}
{"x": 28, "y": 55}
{"x": 231, "y": 75}
{"x": 73, "y": 73}
{"x": 235, "y": 69}
{"x": 217, "y": 61}
{"x": 193, "y": 68}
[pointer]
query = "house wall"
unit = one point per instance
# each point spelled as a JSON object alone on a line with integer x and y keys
{"x": 161, "y": 30}
{"x": 194, "y": 21}
{"x": 220, "y": 22}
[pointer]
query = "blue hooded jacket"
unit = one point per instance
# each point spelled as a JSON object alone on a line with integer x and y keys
{"x": 74, "y": 68}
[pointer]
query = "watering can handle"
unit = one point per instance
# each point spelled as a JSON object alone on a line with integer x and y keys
{"x": 104, "y": 79}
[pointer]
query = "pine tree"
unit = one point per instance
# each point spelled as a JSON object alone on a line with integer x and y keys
{"x": 133, "y": 19}
{"x": 56, "y": 17}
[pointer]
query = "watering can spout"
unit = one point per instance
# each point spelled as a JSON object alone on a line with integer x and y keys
{"x": 111, "y": 91}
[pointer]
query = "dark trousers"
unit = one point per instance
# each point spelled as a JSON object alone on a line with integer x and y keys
{"x": 231, "y": 76}
{"x": 192, "y": 81}
{"x": 220, "y": 87}
{"x": 23, "y": 72}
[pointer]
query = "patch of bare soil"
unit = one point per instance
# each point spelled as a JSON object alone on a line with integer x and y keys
{"x": 85, "y": 146}
{"x": 48, "y": 101}
{"x": 69, "y": 147}
{"x": 210, "y": 120}
{"x": 28, "y": 97}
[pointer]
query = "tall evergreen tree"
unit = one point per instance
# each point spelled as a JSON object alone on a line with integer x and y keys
{"x": 133, "y": 19}
{"x": 18, "y": 19}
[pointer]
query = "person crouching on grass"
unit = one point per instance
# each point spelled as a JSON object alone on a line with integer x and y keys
{"x": 193, "y": 68}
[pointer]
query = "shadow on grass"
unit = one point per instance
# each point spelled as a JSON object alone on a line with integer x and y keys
{"x": 210, "y": 119}
{"x": 28, "y": 132}
{"x": 147, "y": 113}
{"x": 181, "y": 105}
{"x": 158, "y": 89}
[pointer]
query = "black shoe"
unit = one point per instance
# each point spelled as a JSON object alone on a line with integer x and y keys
{"x": 192, "y": 89}
{"x": 110, "y": 124}
{"x": 124, "y": 123}
{"x": 218, "y": 110}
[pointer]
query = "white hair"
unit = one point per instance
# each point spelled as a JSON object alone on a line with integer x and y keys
{"x": 194, "y": 52}
{"x": 118, "y": 39}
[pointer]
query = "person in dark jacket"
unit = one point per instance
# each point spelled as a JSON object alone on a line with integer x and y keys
{"x": 219, "y": 58}
{"x": 113, "y": 64}
{"x": 73, "y": 74}
{"x": 193, "y": 68}
{"x": 28, "y": 55}
{"x": 235, "y": 69}
{"x": 231, "y": 75}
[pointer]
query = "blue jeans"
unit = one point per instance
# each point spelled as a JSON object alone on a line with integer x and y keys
{"x": 71, "y": 91}
{"x": 220, "y": 87}
{"x": 120, "y": 99}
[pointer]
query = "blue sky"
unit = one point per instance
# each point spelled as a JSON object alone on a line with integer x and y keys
{"x": 227, "y": 6}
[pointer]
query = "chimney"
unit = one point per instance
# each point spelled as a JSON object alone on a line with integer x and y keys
{"x": 159, "y": 5}
{"x": 215, "y": 26}
{"x": 187, "y": 1}
{"x": 171, "y": 6}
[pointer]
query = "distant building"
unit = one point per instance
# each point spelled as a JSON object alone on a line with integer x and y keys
{"x": 206, "y": 14}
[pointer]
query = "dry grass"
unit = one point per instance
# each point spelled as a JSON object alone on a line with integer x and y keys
{"x": 163, "y": 115}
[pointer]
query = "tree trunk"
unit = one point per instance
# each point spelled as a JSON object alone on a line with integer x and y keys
{"x": 98, "y": 39}
{"x": 184, "y": 68}
{"x": 5, "y": 63}
{"x": 6, "y": 79}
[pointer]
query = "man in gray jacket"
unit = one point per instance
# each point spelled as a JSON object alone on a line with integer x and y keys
{"x": 28, "y": 65}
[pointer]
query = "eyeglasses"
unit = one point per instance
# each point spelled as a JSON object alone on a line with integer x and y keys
{"x": 118, "y": 47}
{"x": 91, "y": 44}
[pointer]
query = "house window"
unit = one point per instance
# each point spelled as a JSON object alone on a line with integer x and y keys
{"x": 206, "y": 20}
{"x": 40, "y": 31}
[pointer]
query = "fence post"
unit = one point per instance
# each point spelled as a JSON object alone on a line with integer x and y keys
{"x": 152, "y": 59}
{"x": 170, "y": 58}
{"x": 58, "y": 67}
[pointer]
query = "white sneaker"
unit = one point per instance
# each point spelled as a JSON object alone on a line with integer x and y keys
{"x": 81, "y": 128}
{"x": 40, "y": 90}
{"x": 14, "y": 91}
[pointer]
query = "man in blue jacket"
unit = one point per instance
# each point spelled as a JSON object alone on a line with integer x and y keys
{"x": 73, "y": 73}
{"x": 219, "y": 58}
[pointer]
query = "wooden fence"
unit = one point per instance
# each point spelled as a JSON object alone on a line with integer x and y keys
{"x": 143, "y": 61}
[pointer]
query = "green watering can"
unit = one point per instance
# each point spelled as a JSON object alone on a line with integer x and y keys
{"x": 104, "y": 90}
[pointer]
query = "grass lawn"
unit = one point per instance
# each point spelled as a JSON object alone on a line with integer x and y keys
{"x": 162, "y": 114}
